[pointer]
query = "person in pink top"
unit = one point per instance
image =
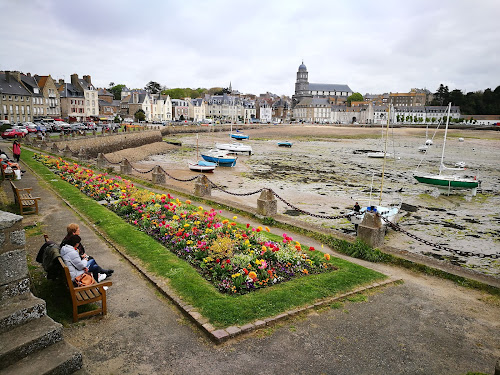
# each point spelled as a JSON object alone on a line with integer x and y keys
{"x": 16, "y": 150}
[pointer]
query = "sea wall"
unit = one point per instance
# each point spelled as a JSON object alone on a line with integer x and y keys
{"x": 92, "y": 146}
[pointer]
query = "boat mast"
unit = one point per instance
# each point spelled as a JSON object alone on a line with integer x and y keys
{"x": 196, "y": 146}
{"x": 385, "y": 155}
{"x": 444, "y": 140}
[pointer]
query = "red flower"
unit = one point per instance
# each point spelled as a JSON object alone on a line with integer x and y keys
{"x": 246, "y": 271}
{"x": 312, "y": 248}
{"x": 248, "y": 225}
{"x": 217, "y": 260}
{"x": 228, "y": 261}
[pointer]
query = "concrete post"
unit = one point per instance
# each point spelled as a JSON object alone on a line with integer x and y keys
{"x": 371, "y": 230}
{"x": 61, "y": 136}
{"x": 267, "y": 204}
{"x": 54, "y": 148}
{"x": 101, "y": 161}
{"x": 73, "y": 134}
{"x": 43, "y": 145}
{"x": 158, "y": 176}
{"x": 125, "y": 167}
{"x": 13, "y": 267}
{"x": 94, "y": 133}
{"x": 202, "y": 187}
{"x": 67, "y": 152}
{"x": 497, "y": 367}
{"x": 82, "y": 154}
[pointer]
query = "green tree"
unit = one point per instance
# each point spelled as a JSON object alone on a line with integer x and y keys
{"x": 116, "y": 90}
{"x": 354, "y": 97}
{"x": 153, "y": 87}
{"x": 117, "y": 119}
{"x": 140, "y": 115}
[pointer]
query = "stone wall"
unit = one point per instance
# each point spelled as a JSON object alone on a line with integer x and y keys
{"x": 92, "y": 146}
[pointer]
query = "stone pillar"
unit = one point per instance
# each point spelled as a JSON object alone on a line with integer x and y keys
{"x": 158, "y": 175}
{"x": 67, "y": 153}
{"x": 73, "y": 134}
{"x": 13, "y": 267}
{"x": 125, "y": 167}
{"x": 82, "y": 154}
{"x": 202, "y": 186}
{"x": 61, "y": 135}
{"x": 54, "y": 148}
{"x": 101, "y": 161}
{"x": 371, "y": 230}
{"x": 94, "y": 133}
{"x": 43, "y": 145}
{"x": 267, "y": 204}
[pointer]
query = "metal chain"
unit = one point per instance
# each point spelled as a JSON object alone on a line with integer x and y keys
{"x": 398, "y": 228}
{"x": 105, "y": 158}
{"x": 178, "y": 179}
{"x": 309, "y": 213}
{"x": 215, "y": 186}
{"x": 143, "y": 172}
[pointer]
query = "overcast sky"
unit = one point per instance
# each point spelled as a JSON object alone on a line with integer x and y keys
{"x": 372, "y": 46}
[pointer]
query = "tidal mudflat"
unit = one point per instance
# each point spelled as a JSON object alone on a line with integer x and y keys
{"x": 327, "y": 170}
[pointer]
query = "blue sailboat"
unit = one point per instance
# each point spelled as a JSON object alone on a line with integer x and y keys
{"x": 220, "y": 157}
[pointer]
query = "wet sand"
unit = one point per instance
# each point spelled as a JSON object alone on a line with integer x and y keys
{"x": 327, "y": 170}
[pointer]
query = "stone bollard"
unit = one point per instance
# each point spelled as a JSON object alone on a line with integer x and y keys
{"x": 371, "y": 230}
{"x": 101, "y": 161}
{"x": 67, "y": 152}
{"x": 54, "y": 148}
{"x": 125, "y": 167}
{"x": 61, "y": 135}
{"x": 73, "y": 134}
{"x": 94, "y": 133}
{"x": 267, "y": 204}
{"x": 82, "y": 155}
{"x": 497, "y": 367}
{"x": 158, "y": 175}
{"x": 202, "y": 187}
{"x": 43, "y": 145}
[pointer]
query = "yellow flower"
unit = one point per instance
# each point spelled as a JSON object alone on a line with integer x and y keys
{"x": 252, "y": 275}
{"x": 264, "y": 248}
{"x": 200, "y": 208}
{"x": 175, "y": 217}
{"x": 235, "y": 217}
{"x": 186, "y": 225}
{"x": 267, "y": 229}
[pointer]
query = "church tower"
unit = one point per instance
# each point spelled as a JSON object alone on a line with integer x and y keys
{"x": 301, "y": 85}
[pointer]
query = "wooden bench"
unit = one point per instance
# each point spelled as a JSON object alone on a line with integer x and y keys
{"x": 83, "y": 295}
{"x": 7, "y": 175}
{"x": 24, "y": 199}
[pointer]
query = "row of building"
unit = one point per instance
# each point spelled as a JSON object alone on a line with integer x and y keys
{"x": 24, "y": 97}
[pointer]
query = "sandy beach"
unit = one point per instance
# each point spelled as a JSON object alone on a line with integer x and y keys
{"x": 327, "y": 170}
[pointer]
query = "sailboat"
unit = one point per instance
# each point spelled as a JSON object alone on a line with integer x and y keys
{"x": 201, "y": 165}
{"x": 238, "y": 135}
{"x": 446, "y": 183}
{"x": 428, "y": 142}
{"x": 389, "y": 212}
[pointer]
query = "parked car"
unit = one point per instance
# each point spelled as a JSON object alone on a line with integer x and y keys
{"x": 21, "y": 128}
{"x": 13, "y": 133}
{"x": 31, "y": 127}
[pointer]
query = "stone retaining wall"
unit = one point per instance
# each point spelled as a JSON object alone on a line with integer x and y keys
{"x": 92, "y": 146}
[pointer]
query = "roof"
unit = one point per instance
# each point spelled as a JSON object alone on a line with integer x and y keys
{"x": 13, "y": 87}
{"x": 32, "y": 84}
{"x": 67, "y": 90}
{"x": 328, "y": 87}
{"x": 314, "y": 102}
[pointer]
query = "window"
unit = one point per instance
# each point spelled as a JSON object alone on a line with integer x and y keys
{"x": 17, "y": 109}
{"x": 22, "y": 98}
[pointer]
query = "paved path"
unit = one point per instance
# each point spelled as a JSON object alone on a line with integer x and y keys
{"x": 424, "y": 326}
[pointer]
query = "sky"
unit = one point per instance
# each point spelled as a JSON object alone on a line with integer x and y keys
{"x": 257, "y": 46}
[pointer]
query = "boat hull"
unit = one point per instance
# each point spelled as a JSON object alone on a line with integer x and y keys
{"x": 389, "y": 213}
{"x": 448, "y": 182}
{"x": 202, "y": 166}
{"x": 239, "y": 136}
{"x": 284, "y": 144}
{"x": 223, "y": 162}
{"x": 235, "y": 148}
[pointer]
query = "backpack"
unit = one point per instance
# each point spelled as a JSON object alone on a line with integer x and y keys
{"x": 47, "y": 256}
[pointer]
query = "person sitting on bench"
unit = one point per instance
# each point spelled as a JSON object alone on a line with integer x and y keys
{"x": 76, "y": 264}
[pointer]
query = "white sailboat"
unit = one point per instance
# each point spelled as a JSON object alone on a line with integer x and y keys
{"x": 447, "y": 183}
{"x": 389, "y": 212}
{"x": 201, "y": 165}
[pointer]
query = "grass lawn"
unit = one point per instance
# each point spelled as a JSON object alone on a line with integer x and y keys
{"x": 222, "y": 310}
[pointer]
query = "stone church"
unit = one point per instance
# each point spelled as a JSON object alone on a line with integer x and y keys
{"x": 335, "y": 93}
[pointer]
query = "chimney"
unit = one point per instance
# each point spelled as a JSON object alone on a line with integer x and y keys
{"x": 28, "y": 74}
{"x": 74, "y": 80}
{"x": 61, "y": 81}
{"x": 7, "y": 76}
{"x": 87, "y": 79}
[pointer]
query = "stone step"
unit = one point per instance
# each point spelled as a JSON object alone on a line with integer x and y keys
{"x": 28, "y": 338}
{"x": 57, "y": 359}
{"x": 19, "y": 310}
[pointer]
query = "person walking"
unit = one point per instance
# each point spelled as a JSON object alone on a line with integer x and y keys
{"x": 16, "y": 150}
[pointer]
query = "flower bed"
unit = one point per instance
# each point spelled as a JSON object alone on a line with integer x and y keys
{"x": 236, "y": 259}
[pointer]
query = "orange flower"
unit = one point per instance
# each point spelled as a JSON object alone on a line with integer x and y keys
{"x": 252, "y": 275}
{"x": 305, "y": 271}
{"x": 327, "y": 256}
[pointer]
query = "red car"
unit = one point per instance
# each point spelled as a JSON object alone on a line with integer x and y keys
{"x": 13, "y": 133}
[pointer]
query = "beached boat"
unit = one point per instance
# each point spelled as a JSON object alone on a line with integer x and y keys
{"x": 202, "y": 166}
{"x": 235, "y": 148}
{"x": 379, "y": 155}
{"x": 239, "y": 135}
{"x": 447, "y": 183}
{"x": 388, "y": 212}
{"x": 220, "y": 157}
{"x": 285, "y": 144}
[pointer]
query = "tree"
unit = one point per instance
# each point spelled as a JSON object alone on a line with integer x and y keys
{"x": 116, "y": 90}
{"x": 355, "y": 97}
{"x": 140, "y": 115}
{"x": 117, "y": 119}
{"x": 153, "y": 87}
